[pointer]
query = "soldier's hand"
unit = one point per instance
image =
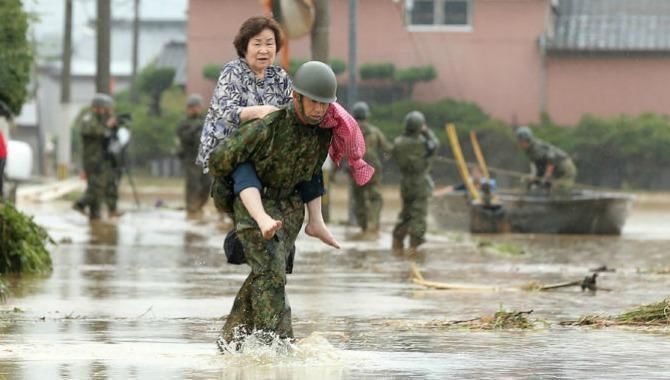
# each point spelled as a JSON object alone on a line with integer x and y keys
{"x": 111, "y": 122}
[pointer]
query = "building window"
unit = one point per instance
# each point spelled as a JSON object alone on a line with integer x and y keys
{"x": 439, "y": 14}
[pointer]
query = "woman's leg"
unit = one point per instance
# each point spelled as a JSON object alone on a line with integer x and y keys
{"x": 316, "y": 226}
{"x": 248, "y": 186}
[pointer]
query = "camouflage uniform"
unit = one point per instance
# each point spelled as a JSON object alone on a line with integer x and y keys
{"x": 412, "y": 154}
{"x": 94, "y": 134}
{"x": 367, "y": 198}
{"x": 285, "y": 154}
{"x": 541, "y": 153}
{"x": 197, "y": 183}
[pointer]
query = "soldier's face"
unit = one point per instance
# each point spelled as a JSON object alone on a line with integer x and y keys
{"x": 523, "y": 144}
{"x": 193, "y": 110}
{"x": 312, "y": 111}
{"x": 261, "y": 51}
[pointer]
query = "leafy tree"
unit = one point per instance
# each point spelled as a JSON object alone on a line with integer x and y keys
{"x": 15, "y": 56}
{"x": 412, "y": 75}
{"x": 153, "y": 81}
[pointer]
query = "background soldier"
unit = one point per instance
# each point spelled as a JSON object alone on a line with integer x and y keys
{"x": 96, "y": 128}
{"x": 551, "y": 165}
{"x": 368, "y": 199}
{"x": 413, "y": 152}
{"x": 188, "y": 134}
{"x": 287, "y": 148}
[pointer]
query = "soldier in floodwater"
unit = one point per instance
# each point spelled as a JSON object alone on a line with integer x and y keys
{"x": 287, "y": 148}
{"x": 552, "y": 167}
{"x": 367, "y": 198}
{"x": 188, "y": 134}
{"x": 414, "y": 152}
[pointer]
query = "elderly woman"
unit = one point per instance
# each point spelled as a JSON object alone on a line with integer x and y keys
{"x": 251, "y": 87}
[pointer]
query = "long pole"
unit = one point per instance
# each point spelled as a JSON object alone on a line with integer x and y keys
{"x": 136, "y": 42}
{"x": 64, "y": 142}
{"x": 103, "y": 56}
{"x": 352, "y": 88}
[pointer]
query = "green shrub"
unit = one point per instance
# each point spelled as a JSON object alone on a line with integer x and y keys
{"x": 416, "y": 74}
{"x": 22, "y": 243}
{"x": 338, "y": 66}
{"x": 16, "y": 56}
{"x": 384, "y": 70}
{"x": 211, "y": 71}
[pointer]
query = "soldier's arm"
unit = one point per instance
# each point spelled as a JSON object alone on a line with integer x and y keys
{"x": 238, "y": 148}
{"x": 90, "y": 127}
{"x": 432, "y": 143}
{"x": 384, "y": 144}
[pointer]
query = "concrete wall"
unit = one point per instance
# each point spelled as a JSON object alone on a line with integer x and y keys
{"x": 495, "y": 64}
{"x": 606, "y": 86}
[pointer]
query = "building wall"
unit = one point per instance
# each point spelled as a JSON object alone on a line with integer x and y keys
{"x": 606, "y": 86}
{"x": 496, "y": 64}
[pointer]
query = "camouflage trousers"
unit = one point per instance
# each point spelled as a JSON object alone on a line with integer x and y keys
{"x": 563, "y": 183}
{"x": 412, "y": 219}
{"x": 368, "y": 203}
{"x": 113, "y": 180}
{"x": 261, "y": 303}
{"x": 99, "y": 182}
{"x": 197, "y": 186}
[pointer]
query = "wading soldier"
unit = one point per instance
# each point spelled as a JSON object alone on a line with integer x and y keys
{"x": 287, "y": 148}
{"x": 188, "y": 134}
{"x": 551, "y": 165}
{"x": 96, "y": 128}
{"x": 413, "y": 152}
{"x": 367, "y": 198}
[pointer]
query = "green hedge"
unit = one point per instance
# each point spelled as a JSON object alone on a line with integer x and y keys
{"x": 22, "y": 243}
{"x": 384, "y": 70}
{"x": 617, "y": 152}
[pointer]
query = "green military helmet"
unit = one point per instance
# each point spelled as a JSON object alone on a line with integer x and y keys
{"x": 360, "y": 111}
{"x": 102, "y": 100}
{"x": 317, "y": 81}
{"x": 524, "y": 133}
{"x": 414, "y": 121}
{"x": 194, "y": 100}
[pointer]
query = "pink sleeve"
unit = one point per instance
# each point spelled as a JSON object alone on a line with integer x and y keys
{"x": 347, "y": 142}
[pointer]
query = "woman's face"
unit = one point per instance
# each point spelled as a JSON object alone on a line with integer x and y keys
{"x": 261, "y": 51}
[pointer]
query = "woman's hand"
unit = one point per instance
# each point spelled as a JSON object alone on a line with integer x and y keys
{"x": 256, "y": 112}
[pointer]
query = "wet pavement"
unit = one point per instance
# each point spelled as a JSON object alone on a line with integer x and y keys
{"x": 144, "y": 297}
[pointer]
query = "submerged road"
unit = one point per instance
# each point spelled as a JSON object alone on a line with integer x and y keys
{"x": 143, "y": 298}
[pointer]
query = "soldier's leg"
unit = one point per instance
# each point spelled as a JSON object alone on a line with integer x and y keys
{"x": 239, "y": 322}
{"x": 112, "y": 179}
{"x": 402, "y": 225}
{"x": 204, "y": 186}
{"x": 95, "y": 192}
{"x": 419, "y": 223}
{"x": 358, "y": 195}
{"x": 375, "y": 204}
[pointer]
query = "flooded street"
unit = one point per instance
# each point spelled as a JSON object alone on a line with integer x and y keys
{"x": 144, "y": 297}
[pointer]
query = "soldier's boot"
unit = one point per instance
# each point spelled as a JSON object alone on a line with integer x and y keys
{"x": 398, "y": 244}
{"x": 416, "y": 241}
{"x": 80, "y": 207}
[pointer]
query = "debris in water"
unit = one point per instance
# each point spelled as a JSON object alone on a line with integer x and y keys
{"x": 507, "y": 249}
{"x": 651, "y": 315}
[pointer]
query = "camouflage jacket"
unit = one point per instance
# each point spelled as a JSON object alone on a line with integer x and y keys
{"x": 95, "y": 137}
{"x": 541, "y": 153}
{"x": 284, "y": 151}
{"x": 188, "y": 132}
{"x": 414, "y": 158}
{"x": 375, "y": 144}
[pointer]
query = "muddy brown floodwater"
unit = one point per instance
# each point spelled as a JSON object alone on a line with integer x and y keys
{"x": 143, "y": 298}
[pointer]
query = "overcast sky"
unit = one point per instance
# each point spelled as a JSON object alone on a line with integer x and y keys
{"x": 50, "y": 13}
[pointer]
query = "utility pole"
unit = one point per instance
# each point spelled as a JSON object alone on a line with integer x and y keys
{"x": 136, "y": 40}
{"x": 352, "y": 87}
{"x": 65, "y": 86}
{"x": 103, "y": 56}
{"x": 67, "y": 54}
{"x": 320, "y": 37}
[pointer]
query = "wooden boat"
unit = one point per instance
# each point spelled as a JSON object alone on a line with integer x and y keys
{"x": 582, "y": 212}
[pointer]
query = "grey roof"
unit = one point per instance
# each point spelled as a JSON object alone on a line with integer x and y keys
{"x": 611, "y": 26}
{"x": 173, "y": 55}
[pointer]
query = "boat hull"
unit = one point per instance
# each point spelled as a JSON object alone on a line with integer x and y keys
{"x": 584, "y": 212}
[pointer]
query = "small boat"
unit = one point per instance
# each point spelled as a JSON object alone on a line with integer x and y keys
{"x": 582, "y": 212}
